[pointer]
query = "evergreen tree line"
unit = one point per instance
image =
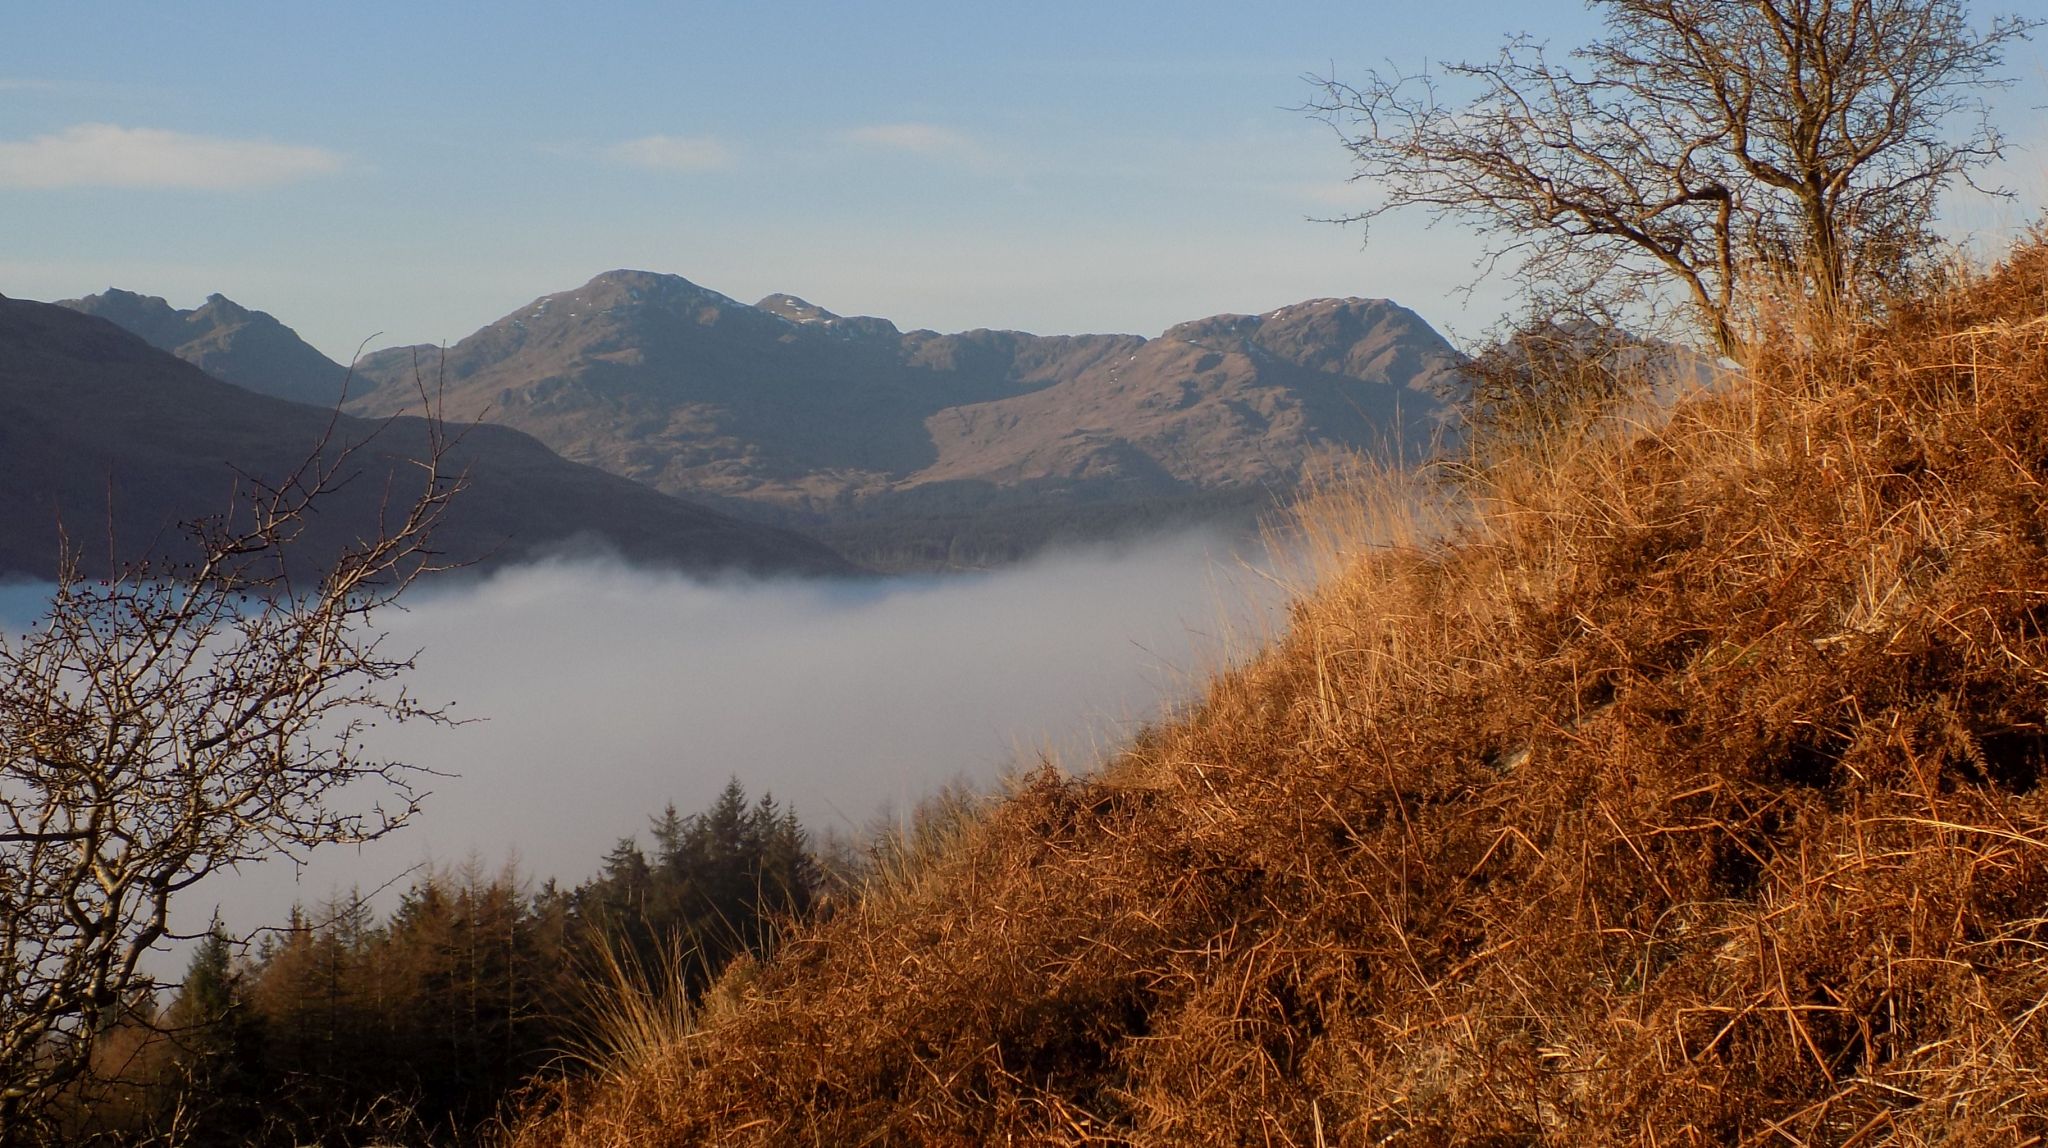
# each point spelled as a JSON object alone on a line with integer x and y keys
{"x": 339, "y": 1028}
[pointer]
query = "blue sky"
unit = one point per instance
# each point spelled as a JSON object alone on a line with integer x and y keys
{"x": 420, "y": 169}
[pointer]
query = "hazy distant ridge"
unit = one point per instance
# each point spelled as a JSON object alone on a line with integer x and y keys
{"x": 787, "y": 411}
{"x": 104, "y": 436}
{"x": 903, "y": 448}
{"x": 226, "y": 340}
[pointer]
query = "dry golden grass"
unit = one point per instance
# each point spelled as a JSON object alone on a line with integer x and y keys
{"x": 639, "y": 1023}
{"x": 1680, "y": 789}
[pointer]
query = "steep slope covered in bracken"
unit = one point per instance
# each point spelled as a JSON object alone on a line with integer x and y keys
{"x": 1674, "y": 783}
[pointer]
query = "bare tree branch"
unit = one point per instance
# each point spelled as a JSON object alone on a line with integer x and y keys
{"x": 1706, "y": 145}
{"x": 170, "y": 722}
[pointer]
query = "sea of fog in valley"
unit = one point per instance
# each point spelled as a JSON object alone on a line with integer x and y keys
{"x": 599, "y": 693}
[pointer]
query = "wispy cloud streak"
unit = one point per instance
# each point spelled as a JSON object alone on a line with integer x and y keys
{"x": 109, "y": 155}
{"x": 931, "y": 140}
{"x": 673, "y": 153}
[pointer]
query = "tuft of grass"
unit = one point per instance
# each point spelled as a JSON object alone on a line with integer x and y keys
{"x": 1682, "y": 787}
{"x": 637, "y": 1019}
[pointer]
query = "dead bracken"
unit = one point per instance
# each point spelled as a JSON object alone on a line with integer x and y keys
{"x": 1676, "y": 786}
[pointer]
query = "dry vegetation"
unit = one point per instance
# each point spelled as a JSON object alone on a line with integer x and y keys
{"x": 1679, "y": 788}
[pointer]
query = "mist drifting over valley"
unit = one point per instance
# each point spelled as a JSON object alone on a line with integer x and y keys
{"x": 593, "y": 693}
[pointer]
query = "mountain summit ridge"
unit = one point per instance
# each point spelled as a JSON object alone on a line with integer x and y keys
{"x": 249, "y": 348}
{"x": 904, "y": 448}
{"x": 103, "y": 434}
{"x": 791, "y": 413}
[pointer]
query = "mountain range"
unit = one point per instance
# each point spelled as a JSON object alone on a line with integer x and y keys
{"x": 900, "y": 448}
{"x": 228, "y": 341}
{"x": 115, "y": 443}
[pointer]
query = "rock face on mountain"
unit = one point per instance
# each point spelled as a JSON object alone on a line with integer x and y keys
{"x": 226, "y": 340}
{"x": 102, "y": 435}
{"x": 916, "y": 448}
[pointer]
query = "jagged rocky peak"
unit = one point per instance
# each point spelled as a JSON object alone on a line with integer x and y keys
{"x": 795, "y": 310}
{"x": 1336, "y": 318}
{"x": 146, "y": 315}
{"x": 226, "y": 340}
{"x": 120, "y": 297}
{"x": 1371, "y": 339}
{"x": 805, "y": 313}
{"x": 156, "y": 320}
{"x": 650, "y": 284}
{"x": 226, "y": 308}
{"x": 628, "y": 290}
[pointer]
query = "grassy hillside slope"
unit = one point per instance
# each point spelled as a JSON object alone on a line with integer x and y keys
{"x": 1681, "y": 788}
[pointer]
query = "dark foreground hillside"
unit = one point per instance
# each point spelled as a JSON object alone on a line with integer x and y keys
{"x": 1679, "y": 789}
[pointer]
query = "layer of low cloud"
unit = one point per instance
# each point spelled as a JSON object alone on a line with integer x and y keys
{"x": 673, "y": 153}
{"x": 608, "y": 692}
{"x": 109, "y": 155}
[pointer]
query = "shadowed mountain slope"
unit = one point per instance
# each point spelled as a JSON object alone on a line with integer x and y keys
{"x": 787, "y": 412}
{"x": 101, "y": 433}
{"x": 226, "y": 340}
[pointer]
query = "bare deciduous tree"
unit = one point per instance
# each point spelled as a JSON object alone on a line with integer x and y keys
{"x": 1701, "y": 143}
{"x": 172, "y": 721}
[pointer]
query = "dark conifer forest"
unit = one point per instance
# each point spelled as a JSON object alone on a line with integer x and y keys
{"x": 343, "y": 1026}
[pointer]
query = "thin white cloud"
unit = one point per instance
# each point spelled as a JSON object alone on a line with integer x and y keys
{"x": 109, "y": 155}
{"x": 673, "y": 153}
{"x": 915, "y": 138}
